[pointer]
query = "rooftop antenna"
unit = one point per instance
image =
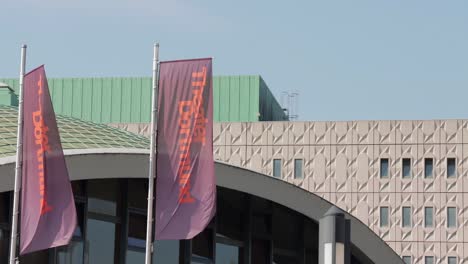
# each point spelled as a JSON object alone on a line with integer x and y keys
{"x": 290, "y": 104}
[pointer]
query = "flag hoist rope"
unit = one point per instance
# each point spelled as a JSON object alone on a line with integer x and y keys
{"x": 152, "y": 159}
{"x": 19, "y": 161}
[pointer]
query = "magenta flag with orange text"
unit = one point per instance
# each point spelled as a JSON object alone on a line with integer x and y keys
{"x": 185, "y": 183}
{"x": 48, "y": 215}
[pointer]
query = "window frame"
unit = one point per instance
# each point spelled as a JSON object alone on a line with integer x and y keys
{"x": 456, "y": 220}
{"x": 425, "y": 223}
{"x": 301, "y": 176}
{"x": 387, "y": 176}
{"x": 403, "y": 217}
{"x": 447, "y": 168}
{"x": 280, "y": 168}
{"x": 380, "y": 217}
{"x": 403, "y": 169}
{"x": 431, "y": 176}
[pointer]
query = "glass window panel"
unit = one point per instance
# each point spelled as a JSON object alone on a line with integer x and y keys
{"x": 78, "y": 188}
{"x": 227, "y": 254}
{"x": 136, "y": 230}
{"x": 71, "y": 254}
{"x": 5, "y": 208}
{"x": 452, "y": 260}
{"x": 280, "y": 259}
{"x": 407, "y": 259}
{"x": 451, "y": 217}
{"x": 428, "y": 167}
{"x": 428, "y": 216}
{"x": 428, "y": 260}
{"x": 383, "y": 216}
{"x": 138, "y": 193}
{"x": 202, "y": 244}
{"x": 38, "y": 257}
{"x": 101, "y": 239}
{"x": 103, "y": 196}
{"x": 277, "y": 168}
{"x": 298, "y": 168}
{"x": 451, "y": 168}
{"x": 4, "y": 243}
{"x": 136, "y": 256}
{"x": 406, "y": 214}
{"x": 406, "y": 168}
{"x": 383, "y": 168}
{"x": 261, "y": 251}
{"x": 167, "y": 251}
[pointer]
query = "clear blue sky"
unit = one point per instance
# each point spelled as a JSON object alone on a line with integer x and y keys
{"x": 362, "y": 59}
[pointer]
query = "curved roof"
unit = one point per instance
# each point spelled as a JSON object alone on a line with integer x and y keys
{"x": 74, "y": 133}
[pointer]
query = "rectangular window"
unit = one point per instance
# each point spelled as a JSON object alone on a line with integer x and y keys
{"x": 428, "y": 260}
{"x": 451, "y": 217}
{"x": 407, "y": 259}
{"x": 452, "y": 260}
{"x": 428, "y": 167}
{"x": 406, "y": 170}
{"x": 428, "y": 216}
{"x": 451, "y": 168}
{"x": 383, "y": 168}
{"x": 406, "y": 215}
{"x": 277, "y": 168}
{"x": 298, "y": 168}
{"x": 383, "y": 216}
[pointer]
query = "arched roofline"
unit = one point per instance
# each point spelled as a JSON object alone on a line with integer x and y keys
{"x": 133, "y": 163}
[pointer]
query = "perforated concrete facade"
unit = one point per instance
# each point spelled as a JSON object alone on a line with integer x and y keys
{"x": 341, "y": 163}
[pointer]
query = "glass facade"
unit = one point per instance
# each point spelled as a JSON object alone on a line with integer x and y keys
{"x": 406, "y": 216}
{"x": 407, "y": 259}
{"x": 277, "y": 168}
{"x": 112, "y": 229}
{"x": 428, "y": 216}
{"x": 451, "y": 217}
{"x": 298, "y": 169}
{"x": 451, "y": 168}
{"x": 383, "y": 216}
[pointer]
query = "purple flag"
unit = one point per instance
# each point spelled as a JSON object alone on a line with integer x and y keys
{"x": 186, "y": 187}
{"x": 48, "y": 215}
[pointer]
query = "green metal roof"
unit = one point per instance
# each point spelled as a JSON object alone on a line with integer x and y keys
{"x": 243, "y": 98}
{"x": 74, "y": 133}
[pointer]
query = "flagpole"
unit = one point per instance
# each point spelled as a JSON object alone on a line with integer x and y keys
{"x": 19, "y": 160}
{"x": 152, "y": 159}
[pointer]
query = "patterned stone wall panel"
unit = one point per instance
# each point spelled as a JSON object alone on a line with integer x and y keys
{"x": 363, "y": 132}
{"x": 406, "y": 184}
{"x": 406, "y": 233}
{"x": 278, "y": 133}
{"x": 429, "y": 233}
{"x": 464, "y": 169}
{"x": 236, "y": 155}
{"x": 454, "y": 183}
{"x": 429, "y": 184}
{"x": 464, "y": 209}
{"x": 429, "y": 132}
{"x": 257, "y": 133}
{"x": 341, "y": 168}
{"x": 298, "y": 133}
{"x": 219, "y": 153}
{"x": 363, "y": 167}
{"x": 429, "y": 249}
{"x": 319, "y": 133}
{"x": 257, "y": 159}
{"x": 452, "y": 234}
{"x": 409, "y": 249}
{"x": 342, "y": 200}
{"x": 406, "y": 132}
{"x": 301, "y": 153}
{"x": 363, "y": 207}
{"x": 451, "y": 250}
{"x": 319, "y": 182}
{"x": 465, "y": 133}
{"x": 451, "y": 131}
{"x": 236, "y": 134}
{"x": 219, "y": 136}
{"x": 342, "y": 133}
{"x": 387, "y": 233}
{"x": 384, "y": 132}
{"x": 384, "y": 184}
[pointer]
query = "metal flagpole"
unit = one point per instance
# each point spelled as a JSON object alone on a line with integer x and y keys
{"x": 19, "y": 161}
{"x": 152, "y": 159}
